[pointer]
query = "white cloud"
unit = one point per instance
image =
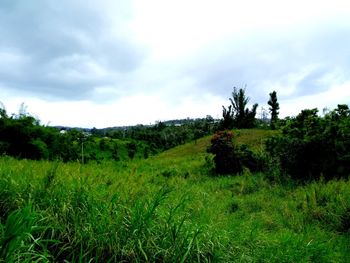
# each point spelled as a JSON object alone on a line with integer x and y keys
{"x": 338, "y": 94}
{"x": 180, "y": 27}
{"x": 140, "y": 108}
{"x": 112, "y": 62}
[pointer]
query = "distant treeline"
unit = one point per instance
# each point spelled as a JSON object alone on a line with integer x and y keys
{"x": 163, "y": 135}
{"x": 22, "y": 136}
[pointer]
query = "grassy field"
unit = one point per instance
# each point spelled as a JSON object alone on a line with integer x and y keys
{"x": 168, "y": 208}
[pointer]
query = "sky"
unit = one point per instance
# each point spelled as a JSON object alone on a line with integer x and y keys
{"x": 89, "y": 63}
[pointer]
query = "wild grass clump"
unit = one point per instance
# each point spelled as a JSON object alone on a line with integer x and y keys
{"x": 22, "y": 237}
{"x": 79, "y": 218}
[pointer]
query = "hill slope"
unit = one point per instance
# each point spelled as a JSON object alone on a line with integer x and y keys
{"x": 254, "y": 138}
{"x": 168, "y": 208}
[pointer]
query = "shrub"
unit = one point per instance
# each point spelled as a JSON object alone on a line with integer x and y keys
{"x": 226, "y": 160}
{"x": 253, "y": 161}
{"x": 312, "y": 146}
{"x": 132, "y": 148}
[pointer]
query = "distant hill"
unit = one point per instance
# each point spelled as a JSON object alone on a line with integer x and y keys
{"x": 175, "y": 122}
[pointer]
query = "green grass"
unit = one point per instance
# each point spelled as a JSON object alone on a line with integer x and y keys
{"x": 255, "y": 138}
{"x": 168, "y": 208}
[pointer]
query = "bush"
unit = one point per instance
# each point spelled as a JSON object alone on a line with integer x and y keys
{"x": 226, "y": 160}
{"x": 253, "y": 161}
{"x": 132, "y": 148}
{"x": 312, "y": 147}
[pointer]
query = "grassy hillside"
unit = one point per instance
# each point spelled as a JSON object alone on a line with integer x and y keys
{"x": 254, "y": 138}
{"x": 168, "y": 208}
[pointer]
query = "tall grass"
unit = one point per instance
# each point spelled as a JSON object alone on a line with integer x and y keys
{"x": 166, "y": 209}
{"x": 85, "y": 217}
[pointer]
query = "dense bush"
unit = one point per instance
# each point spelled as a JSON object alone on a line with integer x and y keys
{"x": 255, "y": 162}
{"x": 22, "y": 136}
{"x": 226, "y": 160}
{"x": 312, "y": 146}
{"x": 230, "y": 158}
{"x": 131, "y": 146}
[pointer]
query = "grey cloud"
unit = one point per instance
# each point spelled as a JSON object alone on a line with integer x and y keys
{"x": 310, "y": 84}
{"x": 64, "y": 49}
{"x": 269, "y": 60}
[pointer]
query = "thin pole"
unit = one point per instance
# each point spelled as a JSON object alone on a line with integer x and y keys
{"x": 82, "y": 152}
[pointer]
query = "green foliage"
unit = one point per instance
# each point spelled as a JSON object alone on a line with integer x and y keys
{"x": 226, "y": 159}
{"x": 166, "y": 135}
{"x": 17, "y": 228}
{"x": 115, "y": 153}
{"x": 228, "y": 121}
{"x": 312, "y": 147}
{"x": 238, "y": 115}
{"x": 21, "y": 238}
{"x": 131, "y": 147}
{"x": 22, "y": 136}
{"x": 231, "y": 158}
{"x": 101, "y": 218}
{"x": 244, "y": 118}
{"x": 167, "y": 209}
{"x": 255, "y": 162}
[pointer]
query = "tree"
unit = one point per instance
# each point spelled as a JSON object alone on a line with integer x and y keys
{"x": 227, "y": 122}
{"x": 343, "y": 110}
{"x": 274, "y": 107}
{"x": 242, "y": 116}
{"x": 3, "y": 113}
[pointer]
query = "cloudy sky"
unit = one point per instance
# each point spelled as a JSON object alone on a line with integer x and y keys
{"x": 116, "y": 62}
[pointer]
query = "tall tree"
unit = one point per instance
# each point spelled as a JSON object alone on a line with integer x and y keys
{"x": 243, "y": 117}
{"x": 274, "y": 107}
